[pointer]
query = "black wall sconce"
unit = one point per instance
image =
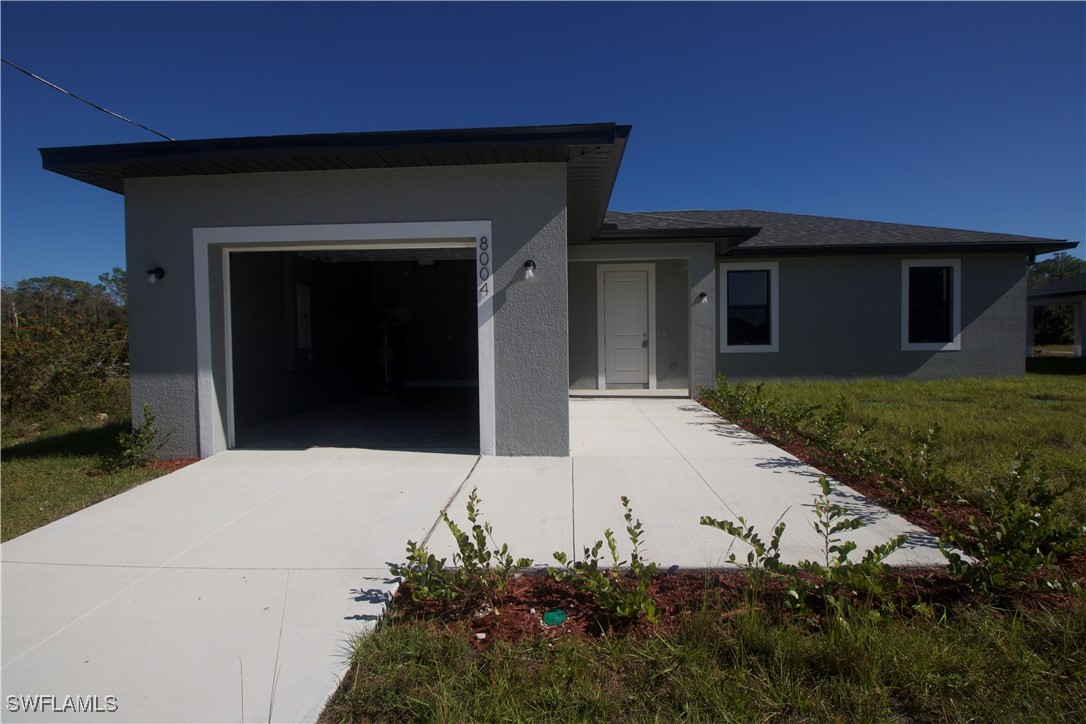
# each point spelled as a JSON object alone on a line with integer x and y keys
{"x": 153, "y": 275}
{"x": 703, "y": 298}
{"x": 529, "y": 270}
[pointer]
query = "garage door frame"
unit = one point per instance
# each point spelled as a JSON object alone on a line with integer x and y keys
{"x": 215, "y": 425}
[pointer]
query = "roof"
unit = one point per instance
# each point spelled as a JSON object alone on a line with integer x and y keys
{"x": 592, "y": 153}
{"x": 1071, "y": 286}
{"x": 771, "y": 232}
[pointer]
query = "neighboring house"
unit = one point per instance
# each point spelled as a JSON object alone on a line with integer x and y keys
{"x": 293, "y": 271}
{"x": 1065, "y": 291}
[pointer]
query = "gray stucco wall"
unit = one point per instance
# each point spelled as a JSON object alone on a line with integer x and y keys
{"x": 525, "y": 203}
{"x": 840, "y": 316}
{"x": 672, "y": 325}
{"x": 686, "y": 331}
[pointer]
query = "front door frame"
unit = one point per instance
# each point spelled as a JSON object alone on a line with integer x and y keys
{"x": 216, "y": 426}
{"x": 601, "y": 306}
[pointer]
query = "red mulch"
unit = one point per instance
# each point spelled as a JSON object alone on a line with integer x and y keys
{"x": 516, "y": 613}
{"x": 173, "y": 464}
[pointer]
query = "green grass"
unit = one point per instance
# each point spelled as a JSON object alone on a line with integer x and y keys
{"x": 51, "y": 462}
{"x": 984, "y": 665}
{"x": 984, "y": 421}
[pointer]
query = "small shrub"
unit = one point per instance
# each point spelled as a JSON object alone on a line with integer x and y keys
{"x": 476, "y": 569}
{"x": 918, "y": 469}
{"x": 829, "y": 428}
{"x": 1023, "y": 533}
{"x": 606, "y": 586}
{"x": 763, "y": 558}
{"x": 139, "y": 447}
{"x": 828, "y": 581}
{"x": 751, "y": 404}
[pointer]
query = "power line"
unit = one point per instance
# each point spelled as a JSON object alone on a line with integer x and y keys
{"x": 89, "y": 103}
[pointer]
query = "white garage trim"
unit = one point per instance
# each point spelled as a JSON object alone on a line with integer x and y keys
{"x": 216, "y": 429}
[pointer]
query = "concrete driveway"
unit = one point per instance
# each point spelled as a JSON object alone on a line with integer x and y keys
{"x": 192, "y": 597}
{"x": 227, "y": 591}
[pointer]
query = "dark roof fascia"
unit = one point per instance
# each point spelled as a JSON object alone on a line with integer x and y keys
{"x": 620, "y": 138}
{"x": 70, "y": 160}
{"x": 1010, "y": 247}
{"x": 1056, "y": 295}
{"x": 614, "y": 236}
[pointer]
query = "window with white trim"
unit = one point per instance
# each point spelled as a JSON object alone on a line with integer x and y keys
{"x": 749, "y": 318}
{"x": 931, "y": 304}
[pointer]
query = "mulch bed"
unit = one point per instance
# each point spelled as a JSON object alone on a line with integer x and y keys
{"x": 516, "y": 613}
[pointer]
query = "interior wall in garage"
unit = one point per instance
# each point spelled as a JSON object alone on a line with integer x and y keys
{"x": 264, "y": 336}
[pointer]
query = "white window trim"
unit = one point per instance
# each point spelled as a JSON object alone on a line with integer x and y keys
{"x": 955, "y": 343}
{"x": 216, "y": 426}
{"x": 774, "y": 306}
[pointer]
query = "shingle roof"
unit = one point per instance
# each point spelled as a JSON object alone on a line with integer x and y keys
{"x": 798, "y": 232}
{"x": 1063, "y": 287}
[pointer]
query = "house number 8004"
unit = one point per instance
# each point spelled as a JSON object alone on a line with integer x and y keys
{"x": 484, "y": 266}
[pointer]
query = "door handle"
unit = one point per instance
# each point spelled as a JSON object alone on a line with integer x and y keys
{"x": 644, "y": 343}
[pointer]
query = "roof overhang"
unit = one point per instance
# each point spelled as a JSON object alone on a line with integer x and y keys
{"x": 1010, "y": 247}
{"x": 591, "y": 152}
{"x": 707, "y": 233}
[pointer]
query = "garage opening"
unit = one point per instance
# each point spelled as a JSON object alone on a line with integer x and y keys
{"x": 355, "y": 348}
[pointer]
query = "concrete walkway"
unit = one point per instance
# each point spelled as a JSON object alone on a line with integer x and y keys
{"x": 676, "y": 461}
{"x": 228, "y": 590}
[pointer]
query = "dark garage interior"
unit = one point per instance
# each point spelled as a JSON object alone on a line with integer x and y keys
{"x": 345, "y": 348}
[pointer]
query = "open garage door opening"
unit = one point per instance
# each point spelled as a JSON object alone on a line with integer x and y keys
{"x": 355, "y": 348}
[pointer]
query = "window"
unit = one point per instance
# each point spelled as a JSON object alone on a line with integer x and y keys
{"x": 931, "y": 304}
{"x": 748, "y": 307}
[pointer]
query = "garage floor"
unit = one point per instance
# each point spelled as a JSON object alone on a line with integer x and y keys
{"x": 228, "y": 590}
{"x": 432, "y": 419}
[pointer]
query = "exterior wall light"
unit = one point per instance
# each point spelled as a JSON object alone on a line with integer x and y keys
{"x": 153, "y": 275}
{"x": 529, "y": 270}
{"x": 703, "y": 298}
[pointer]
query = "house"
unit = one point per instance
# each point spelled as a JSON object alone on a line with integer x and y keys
{"x": 1065, "y": 291}
{"x": 289, "y": 273}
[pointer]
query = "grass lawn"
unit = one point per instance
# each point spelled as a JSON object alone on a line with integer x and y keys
{"x": 970, "y": 658}
{"x": 984, "y": 421}
{"x": 51, "y": 465}
{"x": 983, "y": 665}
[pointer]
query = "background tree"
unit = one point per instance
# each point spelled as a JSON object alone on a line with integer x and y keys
{"x": 64, "y": 341}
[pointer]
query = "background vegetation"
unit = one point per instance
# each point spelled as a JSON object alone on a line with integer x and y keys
{"x": 1054, "y": 324}
{"x": 64, "y": 398}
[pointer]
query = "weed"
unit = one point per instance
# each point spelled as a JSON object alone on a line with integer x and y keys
{"x": 607, "y": 587}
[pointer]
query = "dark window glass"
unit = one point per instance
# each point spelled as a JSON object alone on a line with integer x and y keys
{"x": 748, "y": 307}
{"x": 929, "y": 304}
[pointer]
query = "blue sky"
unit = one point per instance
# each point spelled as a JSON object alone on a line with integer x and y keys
{"x": 968, "y": 115}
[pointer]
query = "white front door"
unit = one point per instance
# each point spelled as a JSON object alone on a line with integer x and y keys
{"x": 626, "y": 326}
